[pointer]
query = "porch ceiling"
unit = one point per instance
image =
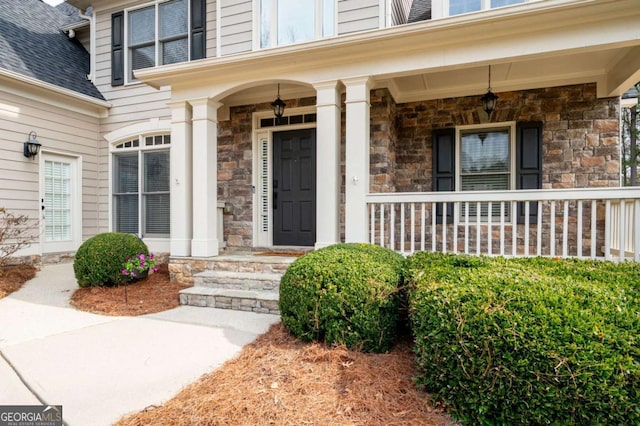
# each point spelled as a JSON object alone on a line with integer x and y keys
{"x": 519, "y": 74}
{"x": 534, "y": 45}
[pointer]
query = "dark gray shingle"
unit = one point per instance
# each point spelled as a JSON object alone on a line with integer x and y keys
{"x": 32, "y": 44}
{"x": 420, "y": 11}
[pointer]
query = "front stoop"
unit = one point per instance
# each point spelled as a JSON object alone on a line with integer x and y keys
{"x": 244, "y": 282}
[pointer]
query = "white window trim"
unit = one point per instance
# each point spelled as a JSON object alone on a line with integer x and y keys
{"x": 440, "y": 8}
{"x": 264, "y": 238}
{"x": 273, "y": 41}
{"x": 128, "y": 80}
{"x": 160, "y": 242}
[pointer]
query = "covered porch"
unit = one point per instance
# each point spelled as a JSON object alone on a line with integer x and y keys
{"x": 379, "y": 99}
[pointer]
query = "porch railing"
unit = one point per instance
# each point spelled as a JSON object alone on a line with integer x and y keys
{"x": 592, "y": 223}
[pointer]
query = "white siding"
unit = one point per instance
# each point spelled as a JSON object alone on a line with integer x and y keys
{"x": 358, "y": 15}
{"x": 59, "y": 130}
{"x": 400, "y": 11}
{"x": 211, "y": 28}
{"x": 236, "y": 26}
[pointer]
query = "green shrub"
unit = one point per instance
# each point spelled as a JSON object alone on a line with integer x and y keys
{"x": 99, "y": 260}
{"x": 344, "y": 294}
{"x": 528, "y": 341}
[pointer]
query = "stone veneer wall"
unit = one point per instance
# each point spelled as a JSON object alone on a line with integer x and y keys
{"x": 580, "y": 134}
{"x": 580, "y": 143}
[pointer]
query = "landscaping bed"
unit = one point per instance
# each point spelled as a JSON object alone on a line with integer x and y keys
{"x": 12, "y": 277}
{"x": 152, "y": 294}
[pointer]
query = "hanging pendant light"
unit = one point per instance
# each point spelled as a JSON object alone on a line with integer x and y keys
{"x": 489, "y": 99}
{"x": 277, "y": 105}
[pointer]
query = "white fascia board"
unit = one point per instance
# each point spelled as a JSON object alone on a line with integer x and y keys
{"x": 50, "y": 93}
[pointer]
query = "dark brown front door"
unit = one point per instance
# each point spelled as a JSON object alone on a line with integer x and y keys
{"x": 294, "y": 188}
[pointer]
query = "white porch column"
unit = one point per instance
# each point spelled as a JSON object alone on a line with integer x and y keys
{"x": 357, "y": 159}
{"x": 205, "y": 177}
{"x": 180, "y": 175}
{"x": 328, "y": 160}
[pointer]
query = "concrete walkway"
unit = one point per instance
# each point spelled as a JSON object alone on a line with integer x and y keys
{"x": 99, "y": 367}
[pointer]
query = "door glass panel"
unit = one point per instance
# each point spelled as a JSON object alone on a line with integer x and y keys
{"x": 57, "y": 201}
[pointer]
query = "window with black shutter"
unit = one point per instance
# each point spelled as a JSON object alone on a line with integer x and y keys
{"x": 157, "y": 33}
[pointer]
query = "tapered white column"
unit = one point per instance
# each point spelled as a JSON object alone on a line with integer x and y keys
{"x": 205, "y": 177}
{"x": 357, "y": 159}
{"x": 328, "y": 160}
{"x": 180, "y": 183}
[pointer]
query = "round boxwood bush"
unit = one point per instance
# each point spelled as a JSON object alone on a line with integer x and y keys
{"x": 99, "y": 260}
{"x": 528, "y": 341}
{"x": 343, "y": 294}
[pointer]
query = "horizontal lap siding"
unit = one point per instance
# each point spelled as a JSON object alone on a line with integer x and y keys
{"x": 236, "y": 26}
{"x": 358, "y": 15}
{"x": 211, "y": 28}
{"x": 59, "y": 130}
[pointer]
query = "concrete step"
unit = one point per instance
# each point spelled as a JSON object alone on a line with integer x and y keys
{"x": 251, "y": 263}
{"x": 260, "y": 301}
{"x": 238, "y": 280}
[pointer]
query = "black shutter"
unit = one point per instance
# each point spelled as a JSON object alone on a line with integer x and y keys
{"x": 444, "y": 167}
{"x": 528, "y": 163}
{"x": 198, "y": 29}
{"x": 117, "y": 49}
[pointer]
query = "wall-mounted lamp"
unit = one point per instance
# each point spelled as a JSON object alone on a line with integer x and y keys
{"x": 31, "y": 146}
{"x": 277, "y": 105}
{"x": 489, "y": 99}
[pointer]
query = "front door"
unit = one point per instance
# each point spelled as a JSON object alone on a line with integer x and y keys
{"x": 294, "y": 188}
{"x": 60, "y": 205}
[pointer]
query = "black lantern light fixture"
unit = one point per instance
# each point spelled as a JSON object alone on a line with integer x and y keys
{"x": 31, "y": 146}
{"x": 277, "y": 105}
{"x": 489, "y": 99}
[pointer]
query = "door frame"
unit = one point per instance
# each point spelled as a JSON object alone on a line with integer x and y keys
{"x": 262, "y": 185}
{"x": 76, "y": 203}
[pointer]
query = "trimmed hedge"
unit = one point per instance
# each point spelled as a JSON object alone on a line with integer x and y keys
{"x": 99, "y": 260}
{"x": 343, "y": 294}
{"x": 528, "y": 341}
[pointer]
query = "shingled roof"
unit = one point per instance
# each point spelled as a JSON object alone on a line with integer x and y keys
{"x": 420, "y": 11}
{"x": 32, "y": 44}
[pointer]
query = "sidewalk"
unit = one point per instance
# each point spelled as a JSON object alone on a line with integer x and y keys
{"x": 100, "y": 368}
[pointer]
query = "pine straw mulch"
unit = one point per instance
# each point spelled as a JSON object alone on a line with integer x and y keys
{"x": 153, "y": 294}
{"x": 278, "y": 380}
{"x": 12, "y": 277}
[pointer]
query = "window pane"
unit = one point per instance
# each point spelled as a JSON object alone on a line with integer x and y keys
{"x": 142, "y": 28}
{"x": 126, "y": 213}
{"x": 126, "y": 173}
{"x": 296, "y": 21}
{"x": 485, "y": 152}
{"x": 265, "y": 23}
{"x": 457, "y": 7}
{"x": 175, "y": 51}
{"x": 156, "y": 171}
{"x": 157, "y": 214}
{"x": 173, "y": 18}
{"x": 499, "y": 3}
{"x": 143, "y": 57}
{"x": 328, "y": 17}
